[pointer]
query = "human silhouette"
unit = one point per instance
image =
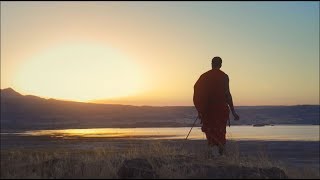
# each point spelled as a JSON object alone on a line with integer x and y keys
{"x": 211, "y": 98}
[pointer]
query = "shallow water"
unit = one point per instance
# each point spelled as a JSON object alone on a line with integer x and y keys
{"x": 274, "y": 133}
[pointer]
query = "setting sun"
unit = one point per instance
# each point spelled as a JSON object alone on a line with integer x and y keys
{"x": 159, "y": 90}
{"x": 80, "y": 72}
{"x": 146, "y": 53}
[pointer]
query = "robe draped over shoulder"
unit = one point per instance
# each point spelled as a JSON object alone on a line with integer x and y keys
{"x": 210, "y": 101}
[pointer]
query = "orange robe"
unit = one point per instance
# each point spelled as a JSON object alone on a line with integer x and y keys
{"x": 210, "y": 101}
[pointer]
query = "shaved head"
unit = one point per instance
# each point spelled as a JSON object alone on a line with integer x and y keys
{"x": 216, "y": 62}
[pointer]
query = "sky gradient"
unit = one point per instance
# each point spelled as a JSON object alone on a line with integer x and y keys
{"x": 152, "y": 53}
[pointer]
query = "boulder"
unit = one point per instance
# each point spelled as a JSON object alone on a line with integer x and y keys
{"x": 136, "y": 168}
{"x": 242, "y": 172}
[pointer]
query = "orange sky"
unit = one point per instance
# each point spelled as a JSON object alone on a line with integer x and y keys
{"x": 152, "y": 53}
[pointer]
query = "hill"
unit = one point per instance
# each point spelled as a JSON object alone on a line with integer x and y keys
{"x": 20, "y": 112}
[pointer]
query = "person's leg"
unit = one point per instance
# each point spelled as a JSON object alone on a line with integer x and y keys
{"x": 222, "y": 150}
{"x": 222, "y": 141}
{"x": 211, "y": 145}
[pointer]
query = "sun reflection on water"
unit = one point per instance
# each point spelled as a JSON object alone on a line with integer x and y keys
{"x": 303, "y": 133}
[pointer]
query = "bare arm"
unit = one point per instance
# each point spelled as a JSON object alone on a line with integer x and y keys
{"x": 229, "y": 100}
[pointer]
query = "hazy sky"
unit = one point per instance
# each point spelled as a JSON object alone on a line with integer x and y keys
{"x": 153, "y": 52}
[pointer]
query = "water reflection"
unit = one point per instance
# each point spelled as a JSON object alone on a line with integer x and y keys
{"x": 297, "y": 133}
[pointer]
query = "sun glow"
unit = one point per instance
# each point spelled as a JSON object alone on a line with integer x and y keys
{"x": 80, "y": 72}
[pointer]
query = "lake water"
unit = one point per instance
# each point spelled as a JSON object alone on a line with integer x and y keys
{"x": 275, "y": 133}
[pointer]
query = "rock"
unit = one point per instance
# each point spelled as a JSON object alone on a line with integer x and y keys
{"x": 141, "y": 168}
{"x": 241, "y": 172}
{"x": 136, "y": 168}
{"x": 273, "y": 173}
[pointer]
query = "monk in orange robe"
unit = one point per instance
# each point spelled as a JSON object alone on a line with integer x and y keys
{"x": 212, "y": 99}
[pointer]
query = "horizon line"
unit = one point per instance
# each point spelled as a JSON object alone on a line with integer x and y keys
{"x": 94, "y": 102}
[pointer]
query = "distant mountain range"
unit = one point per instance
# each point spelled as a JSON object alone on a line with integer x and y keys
{"x": 19, "y": 112}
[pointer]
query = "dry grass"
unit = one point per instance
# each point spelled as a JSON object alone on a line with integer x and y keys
{"x": 169, "y": 160}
